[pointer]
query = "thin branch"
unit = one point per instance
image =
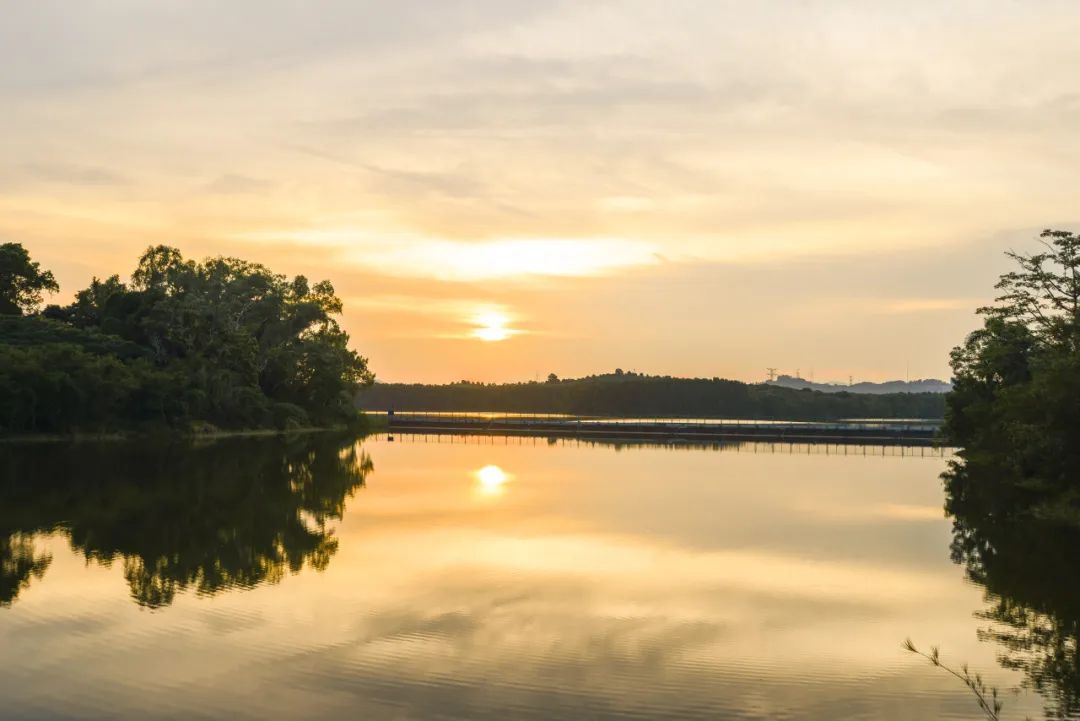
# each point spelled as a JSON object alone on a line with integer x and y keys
{"x": 991, "y": 706}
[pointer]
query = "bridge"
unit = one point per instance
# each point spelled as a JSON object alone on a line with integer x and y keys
{"x": 877, "y": 431}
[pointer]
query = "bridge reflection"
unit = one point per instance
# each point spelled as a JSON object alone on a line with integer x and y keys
{"x": 789, "y": 448}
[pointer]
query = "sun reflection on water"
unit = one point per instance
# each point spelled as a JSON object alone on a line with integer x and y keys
{"x": 491, "y": 480}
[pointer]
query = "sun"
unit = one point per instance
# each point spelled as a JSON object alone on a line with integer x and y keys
{"x": 491, "y": 326}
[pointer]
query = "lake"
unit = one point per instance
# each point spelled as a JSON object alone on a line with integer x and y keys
{"x": 439, "y": 577}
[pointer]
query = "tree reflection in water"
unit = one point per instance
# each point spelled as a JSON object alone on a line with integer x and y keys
{"x": 1030, "y": 568}
{"x": 228, "y": 514}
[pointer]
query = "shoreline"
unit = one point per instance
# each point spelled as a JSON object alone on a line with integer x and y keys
{"x": 368, "y": 425}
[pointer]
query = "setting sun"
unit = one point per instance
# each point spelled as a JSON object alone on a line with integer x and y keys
{"x": 714, "y": 280}
{"x": 491, "y": 326}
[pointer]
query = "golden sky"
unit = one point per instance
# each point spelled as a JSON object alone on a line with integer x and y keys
{"x": 506, "y": 188}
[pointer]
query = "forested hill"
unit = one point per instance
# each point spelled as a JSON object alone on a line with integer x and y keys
{"x": 634, "y": 394}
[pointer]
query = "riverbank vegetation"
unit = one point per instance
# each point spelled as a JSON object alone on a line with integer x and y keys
{"x": 1015, "y": 408}
{"x": 626, "y": 394}
{"x": 1014, "y": 492}
{"x": 221, "y": 343}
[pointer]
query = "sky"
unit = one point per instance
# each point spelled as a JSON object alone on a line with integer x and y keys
{"x": 500, "y": 189}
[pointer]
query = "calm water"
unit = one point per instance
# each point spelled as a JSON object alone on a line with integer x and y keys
{"x": 490, "y": 579}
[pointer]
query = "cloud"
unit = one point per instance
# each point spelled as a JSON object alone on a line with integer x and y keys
{"x": 418, "y": 316}
{"x": 510, "y": 258}
{"x": 460, "y": 261}
{"x": 929, "y": 305}
{"x": 784, "y": 156}
{"x": 233, "y": 183}
{"x": 57, "y": 172}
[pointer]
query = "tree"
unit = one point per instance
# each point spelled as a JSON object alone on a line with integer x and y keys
{"x": 90, "y": 303}
{"x": 1044, "y": 295}
{"x": 223, "y": 341}
{"x": 552, "y": 378}
{"x": 1018, "y": 377}
{"x": 641, "y": 395}
{"x": 22, "y": 281}
{"x": 160, "y": 267}
{"x": 1014, "y": 493}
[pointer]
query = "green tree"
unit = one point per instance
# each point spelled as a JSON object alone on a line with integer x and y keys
{"x": 223, "y": 341}
{"x": 1018, "y": 377}
{"x": 636, "y": 394}
{"x": 22, "y": 281}
{"x": 1044, "y": 294}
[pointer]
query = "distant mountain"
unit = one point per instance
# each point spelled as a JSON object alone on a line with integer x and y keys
{"x": 926, "y": 385}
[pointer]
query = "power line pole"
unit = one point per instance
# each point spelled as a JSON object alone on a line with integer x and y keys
{"x": 772, "y": 373}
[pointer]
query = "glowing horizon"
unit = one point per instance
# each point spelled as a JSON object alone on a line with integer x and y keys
{"x": 745, "y": 186}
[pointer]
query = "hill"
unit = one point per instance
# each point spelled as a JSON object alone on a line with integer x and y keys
{"x": 926, "y": 385}
{"x": 630, "y": 394}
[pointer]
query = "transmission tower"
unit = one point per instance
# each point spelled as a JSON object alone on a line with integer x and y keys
{"x": 772, "y": 373}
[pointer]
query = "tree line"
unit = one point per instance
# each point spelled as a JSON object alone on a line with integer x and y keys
{"x": 1015, "y": 407}
{"x": 633, "y": 394}
{"x": 1013, "y": 492}
{"x": 223, "y": 343}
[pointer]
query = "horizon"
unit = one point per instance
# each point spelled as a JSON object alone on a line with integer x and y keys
{"x": 644, "y": 374}
{"x": 499, "y": 190}
{"x": 467, "y": 360}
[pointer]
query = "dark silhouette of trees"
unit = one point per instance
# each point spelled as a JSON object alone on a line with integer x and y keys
{"x": 229, "y": 515}
{"x": 223, "y": 341}
{"x": 22, "y": 281}
{"x": 1017, "y": 379}
{"x": 634, "y": 394}
{"x": 1014, "y": 493}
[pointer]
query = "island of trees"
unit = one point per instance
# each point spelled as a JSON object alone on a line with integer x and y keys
{"x": 634, "y": 394}
{"x": 221, "y": 343}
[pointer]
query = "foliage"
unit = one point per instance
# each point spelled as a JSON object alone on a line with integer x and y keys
{"x": 1017, "y": 379}
{"x": 22, "y": 282}
{"x": 633, "y": 394}
{"x": 1014, "y": 494}
{"x": 224, "y": 341}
